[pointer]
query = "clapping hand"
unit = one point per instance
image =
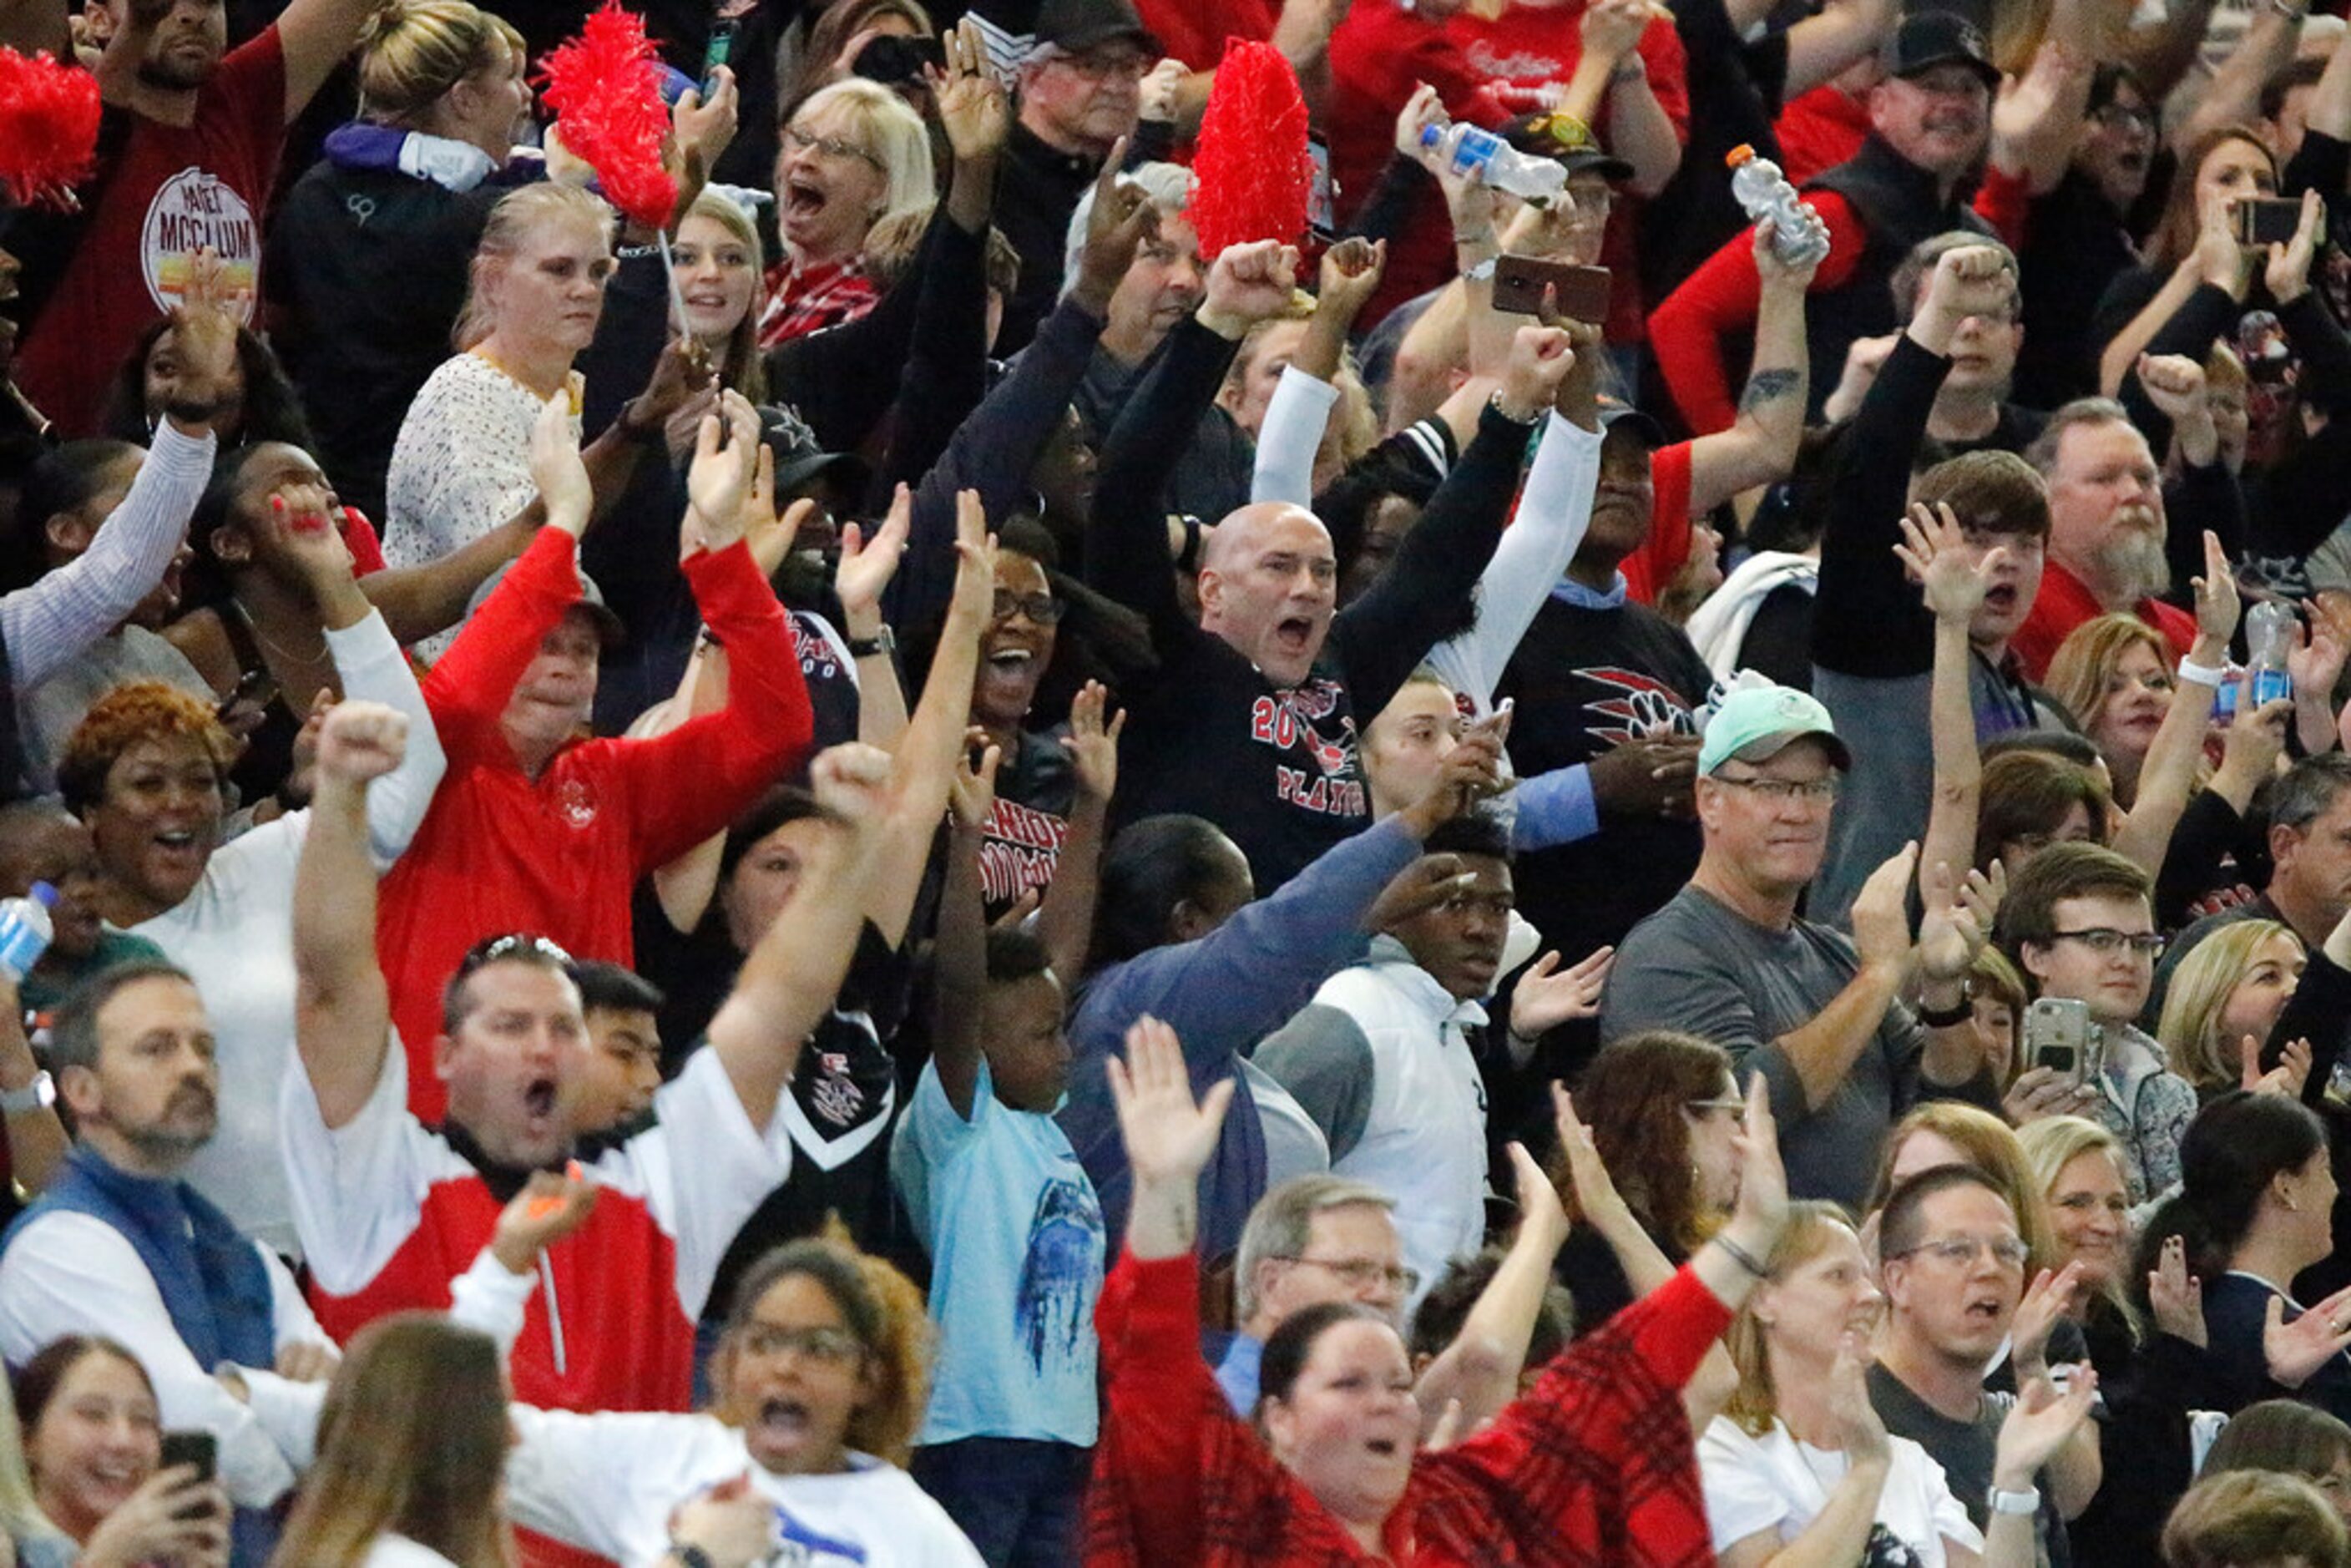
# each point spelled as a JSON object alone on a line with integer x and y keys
{"x": 2286, "y": 1079}
{"x": 2175, "y": 1295}
{"x": 556, "y": 467}
{"x": 2295, "y": 1350}
{"x": 867, "y": 565}
{"x": 726, "y": 454}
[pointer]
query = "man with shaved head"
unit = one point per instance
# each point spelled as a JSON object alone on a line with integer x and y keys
{"x": 1251, "y": 719}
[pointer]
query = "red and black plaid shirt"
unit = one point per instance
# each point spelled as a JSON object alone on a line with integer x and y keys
{"x": 801, "y": 300}
{"x": 1594, "y": 1466}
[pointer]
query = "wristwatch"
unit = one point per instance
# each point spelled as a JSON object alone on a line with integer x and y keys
{"x": 883, "y": 641}
{"x": 2025, "y": 1502}
{"x": 1483, "y": 271}
{"x": 690, "y": 1556}
{"x": 38, "y": 1095}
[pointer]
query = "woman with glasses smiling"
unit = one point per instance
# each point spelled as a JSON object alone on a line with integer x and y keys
{"x": 852, "y": 154}
{"x": 2079, "y": 924}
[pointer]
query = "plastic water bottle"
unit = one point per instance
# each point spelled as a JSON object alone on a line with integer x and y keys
{"x": 25, "y": 931}
{"x": 1764, "y": 191}
{"x": 1540, "y": 181}
{"x": 2224, "y": 700}
{"x": 2269, "y": 638}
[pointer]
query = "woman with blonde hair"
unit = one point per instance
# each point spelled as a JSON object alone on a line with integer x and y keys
{"x": 2233, "y": 986}
{"x": 2114, "y": 675}
{"x": 368, "y": 257}
{"x": 1950, "y": 1133}
{"x": 461, "y": 466}
{"x": 1799, "y": 1467}
{"x": 852, "y": 154}
{"x": 410, "y": 1442}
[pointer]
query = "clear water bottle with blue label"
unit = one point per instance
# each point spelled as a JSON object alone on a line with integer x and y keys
{"x": 1540, "y": 181}
{"x": 2269, "y": 640}
{"x": 2224, "y": 700}
{"x": 25, "y": 930}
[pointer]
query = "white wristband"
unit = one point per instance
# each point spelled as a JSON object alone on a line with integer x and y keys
{"x": 2026, "y": 1501}
{"x": 2203, "y": 675}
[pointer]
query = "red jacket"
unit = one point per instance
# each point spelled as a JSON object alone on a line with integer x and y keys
{"x": 559, "y": 855}
{"x": 1820, "y": 129}
{"x": 2064, "y": 604}
{"x": 1724, "y": 294}
{"x": 1594, "y": 1466}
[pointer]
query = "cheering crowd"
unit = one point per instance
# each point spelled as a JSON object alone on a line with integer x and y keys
{"x": 1574, "y": 864}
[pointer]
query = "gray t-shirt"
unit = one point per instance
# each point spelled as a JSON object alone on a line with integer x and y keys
{"x": 1696, "y": 967}
{"x": 1966, "y": 1450}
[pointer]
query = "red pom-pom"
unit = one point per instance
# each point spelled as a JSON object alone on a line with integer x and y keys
{"x": 1253, "y": 171}
{"x": 605, "y": 90}
{"x": 49, "y": 127}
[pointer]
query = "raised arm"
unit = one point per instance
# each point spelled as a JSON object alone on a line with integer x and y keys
{"x": 342, "y": 1009}
{"x": 1295, "y": 420}
{"x": 791, "y": 978}
{"x": 48, "y": 624}
{"x": 1384, "y": 634}
{"x": 316, "y": 35}
{"x": 2168, "y": 775}
{"x": 934, "y": 737}
{"x": 1760, "y": 448}
{"x": 1066, "y": 917}
{"x": 1934, "y": 550}
{"x": 960, "y": 951}
{"x": 1127, "y": 547}
{"x": 1480, "y": 1368}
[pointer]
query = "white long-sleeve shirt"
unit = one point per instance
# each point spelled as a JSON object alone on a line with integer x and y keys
{"x": 235, "y": 935}
{"x": 1553, "y": 513}
{"x": 68, "y": 1273}
{"x": 46, "y": 625}
{"x": 608, "y": 1482}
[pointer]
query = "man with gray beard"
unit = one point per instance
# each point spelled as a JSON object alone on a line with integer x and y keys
{"x": 2106, "y": 532}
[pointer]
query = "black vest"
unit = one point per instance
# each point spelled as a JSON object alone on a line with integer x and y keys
{"x": 1896, "y": 201}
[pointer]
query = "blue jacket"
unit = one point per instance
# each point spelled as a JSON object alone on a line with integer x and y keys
{"x": 1222, "y": 993}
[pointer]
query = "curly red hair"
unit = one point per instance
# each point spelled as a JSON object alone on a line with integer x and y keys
{"x": 134, "y": 712}
{"x": 1630, "y": 1096}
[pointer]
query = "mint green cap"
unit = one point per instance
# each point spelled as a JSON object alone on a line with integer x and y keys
{"x": 1755, "y": 724}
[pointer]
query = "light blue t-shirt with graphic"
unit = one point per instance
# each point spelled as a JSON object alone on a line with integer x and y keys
{"x": 1015, "y": 1234}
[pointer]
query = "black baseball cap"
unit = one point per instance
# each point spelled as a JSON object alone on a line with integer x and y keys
{"x": 1565, "y": 139}
{"x": 1077, "y": 25}
{"x": 800, "y": 458}
{"x": 1929, "y": 39}
{"x": 1632, "y": 424}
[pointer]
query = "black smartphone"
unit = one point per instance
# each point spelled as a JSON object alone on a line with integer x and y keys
{"x": 1321, "y": 194}
{"x": 1582, "y": 291}
{"x": 894, "y": 61}
{"x": 2268, "y": 220}
{"x": 722, "y": 46}
{"x": 251, "y": 687}
{"x": 198, "y": 1448}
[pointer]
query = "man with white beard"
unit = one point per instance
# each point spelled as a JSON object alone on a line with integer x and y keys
{"x": 2105, "y": 532}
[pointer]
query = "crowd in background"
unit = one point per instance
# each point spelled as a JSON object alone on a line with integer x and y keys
{"x": 892, "y": 869}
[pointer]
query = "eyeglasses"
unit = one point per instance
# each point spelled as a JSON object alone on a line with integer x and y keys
{"x": 1780, "y": 791}
{"x": 2122, "y": 114}
{"x": 827, "y": 1346}
{"x": 832, "y": 147}
{"x": 1363, "y": 1273}
{"x": 1100, "y": 64}
{"x": 2105, "y": 941}
{"x": 1734, "y": 1109}
{"x": 2008, "y": 1251}
{"x": 1041, "y": 608}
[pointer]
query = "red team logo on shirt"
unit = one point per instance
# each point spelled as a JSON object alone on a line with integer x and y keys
{"x": 1288, "y": 722}
{"x": 1644, "y": 706}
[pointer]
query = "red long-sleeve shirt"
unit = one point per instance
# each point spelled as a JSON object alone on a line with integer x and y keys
{"x": 1819, "y": 130}
{"x": 1595, "y": 1465}
{"x": 560, "y": 854}
{"x": 1723, "y": 296}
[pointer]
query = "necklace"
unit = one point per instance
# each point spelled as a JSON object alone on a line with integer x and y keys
{"x": 270, "y": 646}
